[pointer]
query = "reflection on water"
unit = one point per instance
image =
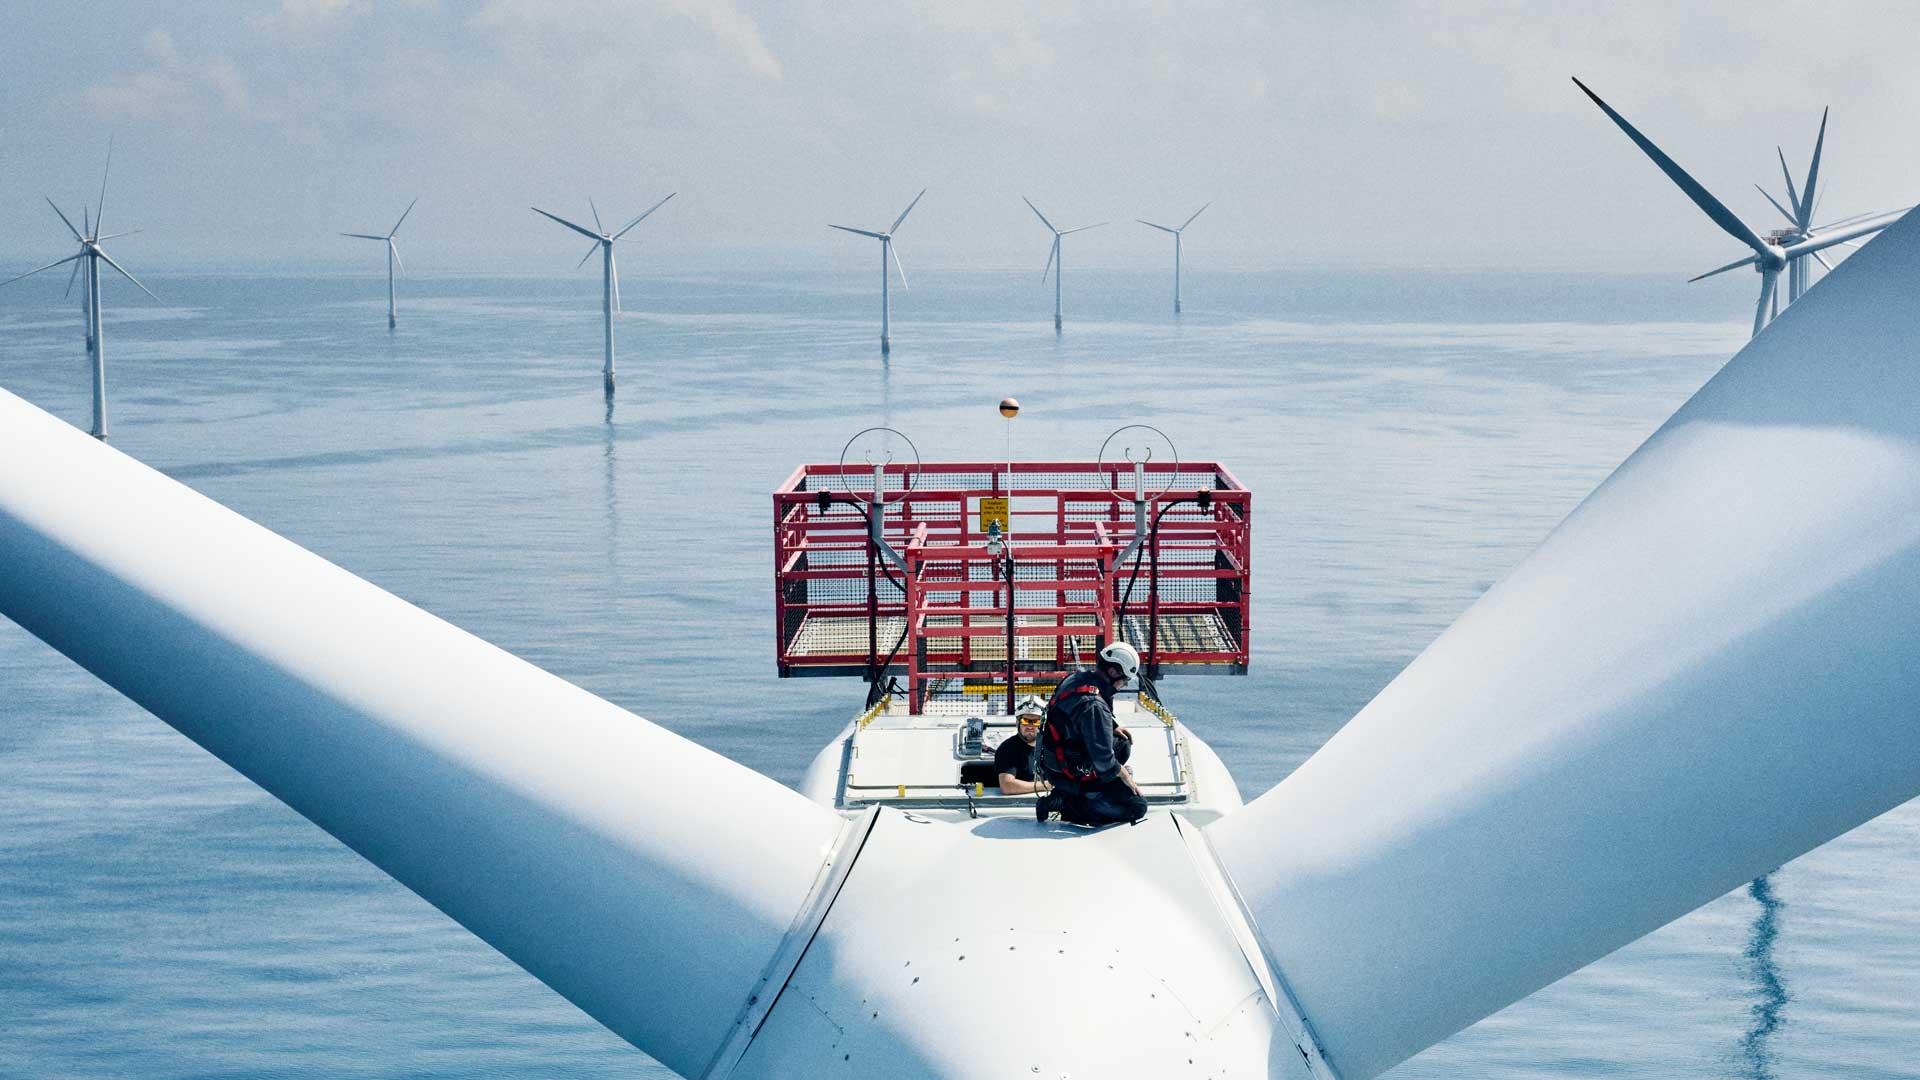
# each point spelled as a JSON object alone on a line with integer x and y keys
{"x": 1756, "y": 1051}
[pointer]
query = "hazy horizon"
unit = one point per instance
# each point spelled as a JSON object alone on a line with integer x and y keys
{"x": 1407, "y": 136}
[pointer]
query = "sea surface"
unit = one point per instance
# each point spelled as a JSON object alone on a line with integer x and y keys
{"x": 1408, "y": 438}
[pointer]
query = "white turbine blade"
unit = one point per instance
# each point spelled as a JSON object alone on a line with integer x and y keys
{"x": 397, "y": 260}
{"x": 363, "y": 236}
{"x": 403, "y": 217}
{"x": 1859, "y": 217}
{"x": 74, "y": 274}
{"x": 1807, "y": 193}
{"x": 597, "y": 227}
{"x": 1784, "y": 212}
{"x": 581, "y": 229}
{"x": 1793, "y": 196}
{"x": 1748, "y": 261}
{"x": 1038, "y": 214}
{"x": 123, "y": 273}
{"x": 590, "y": 250}
{"x": 895, "y": 252}
{"x": 862, "y": 232}
{"x": 1822, "y": 260}
{"x": 1196, "y": 213}
{"x": 118, "y": 235}
{"x": 1701, "y": 197}
{"x": 1703, "y": 672}
{"x": 1840, "y": 236}
{"x": 644, "y": 216}
{"x": 63, "y": 220}
{"x": 895, "y": 227}
{"x": 49, "y": 266}
{"x": 528, "y": 810}
{"x": 1082, "y": 228}
{"x": 1162, "y": 228}
{"x": 100, "y": 212}
{"x": 1052, "y": 250}
{"x": 613, "y": 272}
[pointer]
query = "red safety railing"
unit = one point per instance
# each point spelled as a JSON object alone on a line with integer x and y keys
{"x": 940, "y": 621}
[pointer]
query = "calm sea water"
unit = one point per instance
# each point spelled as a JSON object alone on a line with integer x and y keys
{"x": 1408, "y": 438}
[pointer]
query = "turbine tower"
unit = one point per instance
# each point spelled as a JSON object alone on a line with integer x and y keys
{"x": 89, "y": 257}
{"x": 887, "y": 253}
{"x": 1053, "y": 253}
{"x": 1176, "y": 247}
{"x": 1770, "y": 255}
{"x": 609, "y": 272}
{"x": 393, "y": 256}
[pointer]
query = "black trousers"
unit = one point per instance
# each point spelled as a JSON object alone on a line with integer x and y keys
{"x": 1101, "y": 804}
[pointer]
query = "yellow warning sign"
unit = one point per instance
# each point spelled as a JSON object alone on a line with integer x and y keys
{"x": 993, "y": 510}
{"x": 1044, "y": 690}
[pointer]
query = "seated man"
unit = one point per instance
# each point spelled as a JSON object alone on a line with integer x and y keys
{"x": 1083, "y": 751}
{"x": 1014, "y": 758}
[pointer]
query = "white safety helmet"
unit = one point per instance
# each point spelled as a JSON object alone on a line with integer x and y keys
{"x": 1031, "y": 705}
{"x": 1122, "y": 655}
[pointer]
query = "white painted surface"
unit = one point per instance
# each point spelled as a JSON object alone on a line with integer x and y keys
{"x": 1109, "y": 944}
{"x": 519, "y": 804}
{"x": 1706, "y": 670}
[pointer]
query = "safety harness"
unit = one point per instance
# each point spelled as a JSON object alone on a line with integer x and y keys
{"x": 1055, "y": 739}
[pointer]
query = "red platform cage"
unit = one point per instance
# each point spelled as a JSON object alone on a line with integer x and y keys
{"x": 940, "y": 620}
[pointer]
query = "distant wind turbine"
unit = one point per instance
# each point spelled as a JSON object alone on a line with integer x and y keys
{"x": 1053, "y": 254}
{"x": 90, "y": 255}
{"x": 1800, "y": 218}
{"x": 609, "y": 273}
{"x": 1770, "y": 256}
{"x": 887, "y": 253}
{"x": 1176, "y": 247}
{"x": 393, "y": 256}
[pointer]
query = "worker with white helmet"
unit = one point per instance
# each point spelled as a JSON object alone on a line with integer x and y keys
{"x": 1013, "y": 760}
{"x": 1083, "y": 751}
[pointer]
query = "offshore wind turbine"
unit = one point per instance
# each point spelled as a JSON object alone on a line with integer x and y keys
{"x": 1053, "y": 253}
{"x": 1703, "y": 672}
{"x": 886, "y": 253}
{"x": 393, "y": 256}
{"x": 1176, "y": 248}
{"x": 89, "y": 257}
{"x": 1800, "y": 225}
{"x": 1770, "y": 255}
{"x": 603, "y": 242}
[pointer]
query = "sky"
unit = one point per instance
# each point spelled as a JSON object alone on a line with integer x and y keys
{"x": 1337, "y": 135}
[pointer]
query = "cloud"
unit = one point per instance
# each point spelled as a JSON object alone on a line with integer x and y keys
{"x": 309, "y": 18}
{"x": 172, "y": 86}
{"x": 573, "y": 27}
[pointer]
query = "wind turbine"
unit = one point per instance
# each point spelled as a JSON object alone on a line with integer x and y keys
{"x": 1800, "y": 218}
{"x": 886, "y": 253}
{"x": 1053, "y": 254}
{"x": 1176, "y": 247}
{"x": 1633, "y": 721}
{"x": 1770, "y": 255}
{"x": 89, "y": 257}
{"x": 603, "y": 242}
{"x": 393, "y": 256}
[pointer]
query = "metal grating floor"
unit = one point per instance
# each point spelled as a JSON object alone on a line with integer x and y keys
{"x": 840, "y": 636}
{"x": 1205, "y": 632}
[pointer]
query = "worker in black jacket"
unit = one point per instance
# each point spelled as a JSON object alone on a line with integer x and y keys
{"x": 1083, "y": 751}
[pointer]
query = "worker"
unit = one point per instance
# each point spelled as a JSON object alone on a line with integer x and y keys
{"x": 1083, "y": 751}
{"x": 1014, "y": 758}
